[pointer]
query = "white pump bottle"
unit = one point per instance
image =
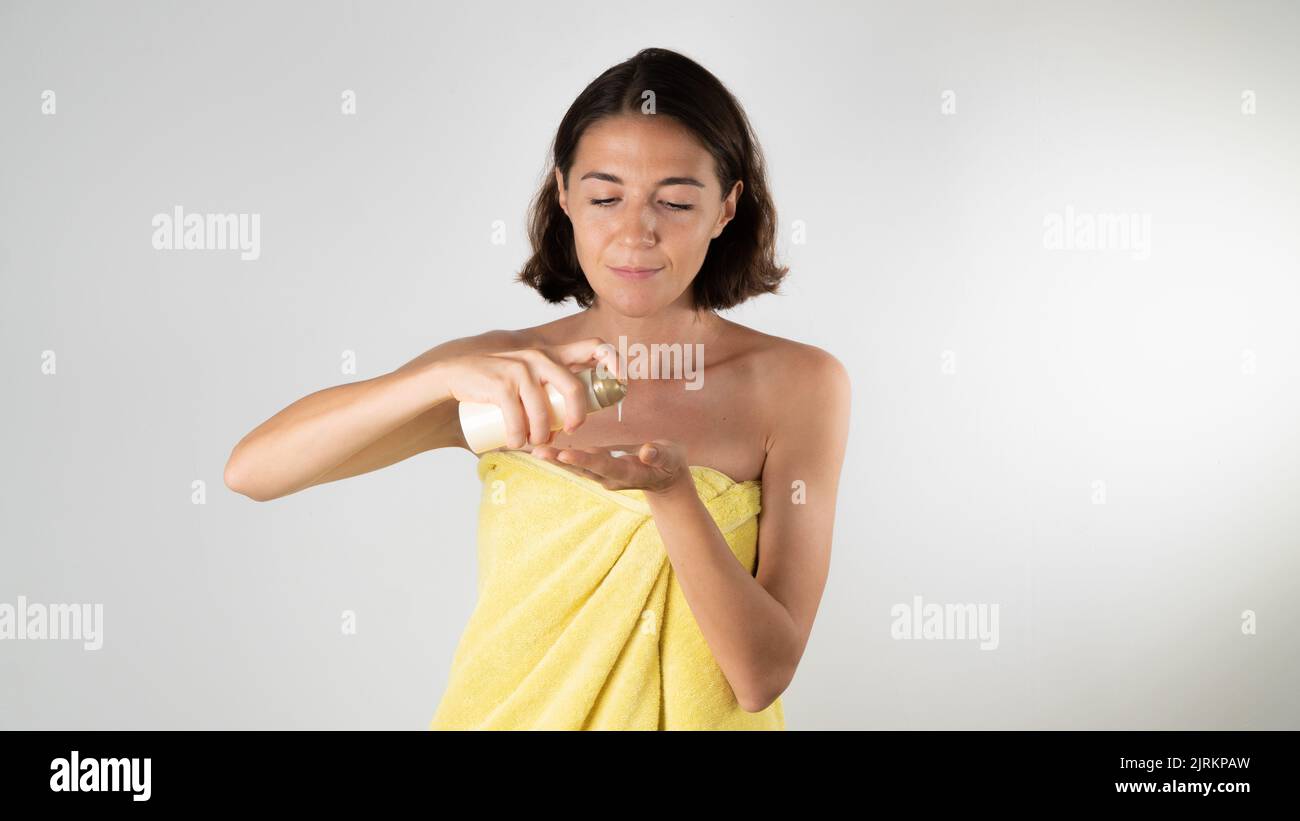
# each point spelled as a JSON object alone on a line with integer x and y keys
{"x": 484, "y": 425}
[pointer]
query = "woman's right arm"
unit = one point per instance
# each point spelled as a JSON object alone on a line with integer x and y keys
{"x": 362, "y": 426}
{"x": 355, "y": 428}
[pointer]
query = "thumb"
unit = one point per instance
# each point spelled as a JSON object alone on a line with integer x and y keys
{"x": 651, "y": 453}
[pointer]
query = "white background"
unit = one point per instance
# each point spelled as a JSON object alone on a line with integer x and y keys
{"x": 925, "y": 235}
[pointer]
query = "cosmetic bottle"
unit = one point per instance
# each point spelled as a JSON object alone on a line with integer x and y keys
{"x": 484, "y": 425}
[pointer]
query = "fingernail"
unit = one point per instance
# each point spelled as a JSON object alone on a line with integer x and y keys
{"x": 651, "y": 452}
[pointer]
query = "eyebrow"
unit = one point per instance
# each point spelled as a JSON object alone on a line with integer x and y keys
{"x": 601, "y": 175}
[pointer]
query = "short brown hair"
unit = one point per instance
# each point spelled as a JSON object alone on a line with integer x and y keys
{"x": 740, "y": 262}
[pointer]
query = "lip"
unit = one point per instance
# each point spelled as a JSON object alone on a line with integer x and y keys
{"x": 635, "y": 273}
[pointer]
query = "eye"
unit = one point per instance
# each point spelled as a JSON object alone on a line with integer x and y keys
{"x": 675, "y": 206}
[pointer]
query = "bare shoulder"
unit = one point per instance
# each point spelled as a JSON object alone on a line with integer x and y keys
{"x": 555, "y": 332}
{"x": 787, "y": 364}
{"x": 789, "y": 378}
{"x": 486, "y": 342}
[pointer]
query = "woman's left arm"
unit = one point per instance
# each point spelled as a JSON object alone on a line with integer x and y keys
{"x": 758, "y": 626}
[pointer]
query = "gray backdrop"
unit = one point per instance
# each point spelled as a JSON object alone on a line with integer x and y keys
{"x": 1097, "y": 437}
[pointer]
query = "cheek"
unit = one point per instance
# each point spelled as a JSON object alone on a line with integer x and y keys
{"x": 691, "y": 228}
{"x": 585, "y": 235}
{"x": 594, "y": 215}
{"x": 592, "y": 228}
{"x": 689, "y": 239}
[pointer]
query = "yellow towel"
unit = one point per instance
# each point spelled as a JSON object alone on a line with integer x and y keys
{"x": 580, "y": 623}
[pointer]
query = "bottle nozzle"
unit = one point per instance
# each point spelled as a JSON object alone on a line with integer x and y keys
{"x": 608, "y": 390}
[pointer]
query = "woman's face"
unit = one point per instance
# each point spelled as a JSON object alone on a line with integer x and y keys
{"x": 644, "y": 194}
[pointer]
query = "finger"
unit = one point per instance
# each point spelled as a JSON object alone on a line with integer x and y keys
{"x": 637, "y": 451}
{"x": 516, "y": 423}
{"x": 571, "y": 389}
{"x": 592, "y": 350}
{"x": 595, "y": 477}
{"x": 597, "y": 460}
{"x": 538, "y": 405}
{"x": 527, "y": 367}
{"x": 575, "y": 457}
{"x": 579, "y": 471}
{"x": 546, "y": 452}
{"x": 651, "y": 453}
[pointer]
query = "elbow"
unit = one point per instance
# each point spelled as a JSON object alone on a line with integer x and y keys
{"x": 755, "y": 705}
{"x": 761, "y": 693}
{"x": 757, "y": 701}
{"x": 770, "y": 675}
{"x": 235, "y": 479}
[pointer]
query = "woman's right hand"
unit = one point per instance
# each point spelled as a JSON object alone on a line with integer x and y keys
{"x": 362, "y": 426}
{"x": 515, "y": 382}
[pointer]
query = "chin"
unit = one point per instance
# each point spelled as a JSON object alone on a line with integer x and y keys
{"x": 632, "y": 305}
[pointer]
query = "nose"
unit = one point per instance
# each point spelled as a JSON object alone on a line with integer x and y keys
{"x": 638, "y": 227}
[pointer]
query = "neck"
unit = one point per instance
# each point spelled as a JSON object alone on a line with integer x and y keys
{"x": 674, "y": 323}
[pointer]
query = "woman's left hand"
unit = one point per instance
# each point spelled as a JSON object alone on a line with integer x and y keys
{"x": 653, "y": 467}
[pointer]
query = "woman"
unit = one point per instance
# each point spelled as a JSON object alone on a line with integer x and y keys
{"x": 621, "y": 590}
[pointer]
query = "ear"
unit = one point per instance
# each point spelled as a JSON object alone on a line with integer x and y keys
{"x": 728, "y": 208}
{"x": 564, "y": 195}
